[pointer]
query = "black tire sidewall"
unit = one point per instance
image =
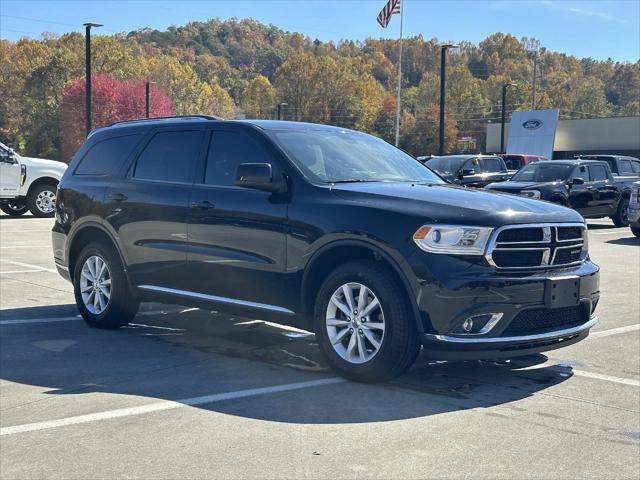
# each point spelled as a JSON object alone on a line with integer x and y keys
{"x": 618, "y": 219}
{"x": 400, "y": 331}
{"x": 32, "y": 197}
{"x": 14, "y": 213}
{"x": 121, "y": 307}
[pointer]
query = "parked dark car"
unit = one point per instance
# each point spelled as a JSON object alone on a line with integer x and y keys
{"x": 621, "y": 166}
{"x": 470, "y": 170}
{"x": 323, "y": 228}
{"x": 634, "y": 209}
{"x": 584, "y": 185}
{"x": 515, "y": 161}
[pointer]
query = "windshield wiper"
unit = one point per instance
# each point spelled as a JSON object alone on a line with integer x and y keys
{"x": 353, "y": 181}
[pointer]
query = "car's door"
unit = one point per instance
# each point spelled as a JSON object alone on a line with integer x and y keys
{"x": 581, "y": 195}
{"x": 470, "y": 174}
{"x": 605, "y": 191}
{"x": 147, "y": 206}
{"x": 237, "y": 235}
{"x": 9, "y": 174}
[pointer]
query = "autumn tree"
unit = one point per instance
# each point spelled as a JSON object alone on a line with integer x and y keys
{"x": 259, "y": 98}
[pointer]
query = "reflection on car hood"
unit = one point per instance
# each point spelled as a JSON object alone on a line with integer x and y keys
{"x": 448, "y": 203}
{"x": 511, "y": 185}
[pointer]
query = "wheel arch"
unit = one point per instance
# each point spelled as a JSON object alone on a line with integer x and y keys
{"x": 42, "y": 181}
{"x": 87, "y": 233}
{"x": 330, "y": 256}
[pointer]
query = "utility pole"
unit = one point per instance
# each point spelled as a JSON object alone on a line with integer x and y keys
{"x": 146, "y": 100}
{"x": 87, "y": 64}
{"x": 443, "y": 72}
{"x": 504, "y": 113}
{"x": 535, "y": 71}
{"x": 280, "y": 105}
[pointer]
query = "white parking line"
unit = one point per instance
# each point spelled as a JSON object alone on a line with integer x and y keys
{"x": 29, "y": 265}
{"x": 24, "y": 246}
{"x": 608, "y": 233}
{"x": 615, "y": 331}
{"x": 39, "y": 320}
{"x": 608, "y": 378}
{"x": 166, "y": 405}
{"x": 7, "y": 272}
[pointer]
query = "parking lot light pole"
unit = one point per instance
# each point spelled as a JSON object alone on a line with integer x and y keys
{"x": 280, "y": 105}
{"x": 87, "y": 64}
{"x": 443, "y": 71}
{"x": 147, "y": 86}
{"x": 504, "y": 113}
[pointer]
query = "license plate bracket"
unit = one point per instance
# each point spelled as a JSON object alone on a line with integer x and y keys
{"x": 562, "y": 292}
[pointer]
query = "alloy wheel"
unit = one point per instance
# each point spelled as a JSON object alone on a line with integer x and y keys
{"x": 355, "y": 323}
{"x": 46, "y": 201}
{"x": 95, "y": 285}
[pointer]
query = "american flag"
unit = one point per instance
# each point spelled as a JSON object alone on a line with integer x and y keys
{"x": 384, "y": 17}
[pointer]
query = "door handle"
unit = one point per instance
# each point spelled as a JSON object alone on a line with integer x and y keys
{"x": 117, "y": 197}
{"x": 204, "y": 205}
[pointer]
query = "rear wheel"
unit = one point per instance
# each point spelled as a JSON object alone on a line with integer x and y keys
{"x": 101, "y": 289}
{"x": 42, "y": 200}
{"x": 364, "y": 323}
{"x": 15, "y": 209}
{"x": 621, "y": 218}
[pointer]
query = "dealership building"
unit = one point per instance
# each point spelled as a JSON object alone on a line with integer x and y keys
{"x": 613, "y": 135}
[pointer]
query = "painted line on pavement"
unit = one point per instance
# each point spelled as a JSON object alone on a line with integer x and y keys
{"x": 165, "y": 405}
{"x": 608, "y": 233}
{"x": 29, "y": 265}
{"x": 608, "y": 378}
{"x": 78, "y": 317}
{"x": 24, "y": 246}
{"x": 21, "y": 271}
{"x": 614, "y": 331}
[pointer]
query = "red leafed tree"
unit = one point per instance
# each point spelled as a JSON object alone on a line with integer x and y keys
{"x": 112, "y": 101}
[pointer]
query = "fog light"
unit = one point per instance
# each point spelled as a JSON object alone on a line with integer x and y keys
{"x": 467, "y": 326}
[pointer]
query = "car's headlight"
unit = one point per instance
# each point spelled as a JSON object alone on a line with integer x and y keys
{"x": 452, "y": 239}
{"x": 531, "y": 194}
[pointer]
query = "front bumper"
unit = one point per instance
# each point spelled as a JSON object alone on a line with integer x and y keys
{"x": 453, "y": 291}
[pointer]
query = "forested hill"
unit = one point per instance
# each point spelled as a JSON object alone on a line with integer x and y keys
{"x": 243, "y": 66}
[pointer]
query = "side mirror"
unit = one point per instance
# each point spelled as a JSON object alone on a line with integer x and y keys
{"x": 466, "y": 172}
{"x": 11, "y": 157}
{"x": 577, "y": 181}
{"x": 258, "y": 176}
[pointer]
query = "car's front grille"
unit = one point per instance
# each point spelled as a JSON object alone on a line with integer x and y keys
{"x": 539, "y": 320}
{"x": 537, "y": 246}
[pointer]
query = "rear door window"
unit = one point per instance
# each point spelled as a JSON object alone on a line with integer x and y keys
{"x": 491, "y": 165}
{"x": 581, "y": 172}
{"x": 598, "y": 173}
{"x": 169, "y": 157}
{"x": 635, "y": 166}
{"x": 625, "y": 167}
{"x": 106, "y": 155}
{"x": 513, "y": 163}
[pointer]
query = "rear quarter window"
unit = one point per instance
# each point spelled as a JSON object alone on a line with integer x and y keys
{"x": 106, "y": 155}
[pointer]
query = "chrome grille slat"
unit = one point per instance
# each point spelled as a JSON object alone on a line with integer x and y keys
{"x": 553, "y": 238}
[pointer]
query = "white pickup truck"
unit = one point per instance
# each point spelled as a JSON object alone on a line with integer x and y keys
{"x": 28, "y": 183}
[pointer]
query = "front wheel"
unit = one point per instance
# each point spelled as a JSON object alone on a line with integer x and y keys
{"x": 621, "y": 218}
{"x": 42, "y": 200}
{"x": 101, "y": 289}
{"x": 636, "y": 231}
{"x": 364, "y": 323}
{"x": 15, "y": 209}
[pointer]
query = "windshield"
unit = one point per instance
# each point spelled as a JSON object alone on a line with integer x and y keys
{"x": 334, "y": 155}
{"x": 447, "y": 165}
{"x": 543, "y": 172}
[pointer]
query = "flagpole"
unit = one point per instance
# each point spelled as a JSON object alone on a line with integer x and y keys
{"x": 399, "y": 77}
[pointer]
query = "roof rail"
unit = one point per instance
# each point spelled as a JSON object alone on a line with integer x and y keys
{"x": 178, "y": 117}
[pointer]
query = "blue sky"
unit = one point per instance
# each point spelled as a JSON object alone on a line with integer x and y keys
{"x": 597, "y": 28}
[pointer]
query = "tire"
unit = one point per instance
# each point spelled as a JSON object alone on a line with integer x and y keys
{"x": 120, "y": 306}
{"x": 559, "y": 201}
{"x": 621, "y": 218}
{"x": 399, "y": 342}
{"x": 42, "y": 200}
{"x": 636, "y": 231}
{"x": 15, "y": 209}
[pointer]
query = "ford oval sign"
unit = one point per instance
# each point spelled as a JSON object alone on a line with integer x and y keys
{"x": 532, "y": 124}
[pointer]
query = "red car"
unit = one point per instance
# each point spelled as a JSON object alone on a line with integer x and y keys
{"x": 515, "y": 161}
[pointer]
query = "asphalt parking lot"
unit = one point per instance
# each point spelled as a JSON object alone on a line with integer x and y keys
{"x": 193, "y": 394}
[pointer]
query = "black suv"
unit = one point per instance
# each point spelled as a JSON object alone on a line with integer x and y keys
{"x": 470, "y": 170}
{"x": 323, "y": 228}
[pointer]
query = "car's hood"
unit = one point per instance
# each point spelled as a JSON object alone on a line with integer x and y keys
{"x": 516, "y": 186}
{"x": 453, "y": 204}
{"x": 45, "y": 163}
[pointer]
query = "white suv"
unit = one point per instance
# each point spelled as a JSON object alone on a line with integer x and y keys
{"x": 28, "y": 183}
